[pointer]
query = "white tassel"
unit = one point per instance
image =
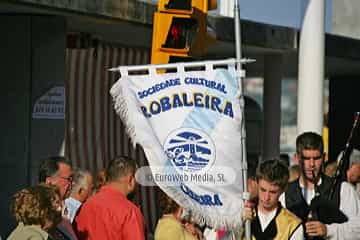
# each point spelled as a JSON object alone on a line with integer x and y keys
{"x": 122, "y": 106}
{"x": 199, "y": 214}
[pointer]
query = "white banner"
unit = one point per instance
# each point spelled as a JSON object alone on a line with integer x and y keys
{"x": 189, "y": 125}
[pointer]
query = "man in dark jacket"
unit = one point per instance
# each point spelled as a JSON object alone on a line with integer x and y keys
{"x": 325, "y": 217}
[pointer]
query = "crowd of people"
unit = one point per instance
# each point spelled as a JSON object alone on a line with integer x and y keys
{"x": 286, "y": 201}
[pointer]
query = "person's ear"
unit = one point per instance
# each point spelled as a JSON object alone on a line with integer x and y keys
{"x": 179, "y": 213}
{"x": 48, "y": 180}
{"x": 80, "y": 191}
{"x": 253, "y": 183}
{"x": 297, "y": 158}
{"x": 130, "y": 179}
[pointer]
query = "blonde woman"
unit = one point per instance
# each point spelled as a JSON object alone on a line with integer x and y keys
{"x": 171, "y": 224}
{"x": 37, "y": 210}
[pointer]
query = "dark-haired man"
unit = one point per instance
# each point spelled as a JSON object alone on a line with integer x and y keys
{"x": 108, "y": 214}
{"x": 58, "y": 171}
{"x": 328, "y": 212}
{"x": 272, "y": 221}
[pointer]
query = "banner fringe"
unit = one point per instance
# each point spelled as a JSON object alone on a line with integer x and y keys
{"x": 122, "y": 106}
{"x": 199, "y": 216}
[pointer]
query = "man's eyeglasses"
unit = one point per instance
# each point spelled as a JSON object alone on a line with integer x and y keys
{"x": 315, "y": 158}
{"x": 69, "y": 179}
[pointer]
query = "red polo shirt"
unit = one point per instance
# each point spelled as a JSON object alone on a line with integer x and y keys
{"x": 109, "y": 215}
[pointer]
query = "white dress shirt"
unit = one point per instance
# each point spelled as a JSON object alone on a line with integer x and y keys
{"x": 72, "y": 206}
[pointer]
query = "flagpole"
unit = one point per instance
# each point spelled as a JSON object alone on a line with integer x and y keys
{"x": 239, "y": 76}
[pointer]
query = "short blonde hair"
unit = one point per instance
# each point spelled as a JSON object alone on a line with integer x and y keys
{"x": 35, "y": 205}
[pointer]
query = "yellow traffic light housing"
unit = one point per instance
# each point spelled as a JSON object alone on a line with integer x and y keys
{"x": 203, "y": 5}
{"x": 168, "y": 5}
{"x": 179, "y": 29}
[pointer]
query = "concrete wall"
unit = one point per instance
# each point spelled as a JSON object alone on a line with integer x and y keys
{"x": 346, "y": 18}
{"x": 48, "y": 70}
{"x": 140, "y": 11}
{"x": 15, "y": 69}
{"x": 33, "y": 59}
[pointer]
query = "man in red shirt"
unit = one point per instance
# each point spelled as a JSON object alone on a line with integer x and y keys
{"x": 109, "y": 214}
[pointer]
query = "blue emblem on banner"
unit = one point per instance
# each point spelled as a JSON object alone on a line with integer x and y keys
{"x": 190, "y": 150}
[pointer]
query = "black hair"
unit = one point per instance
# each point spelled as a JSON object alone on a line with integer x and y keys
{"x": 119, "y": 167}
{"x": 50, "y": 166}
{"x": 309, "y": 141}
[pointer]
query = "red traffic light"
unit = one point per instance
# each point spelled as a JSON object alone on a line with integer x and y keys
{"x": 181, "y": 33}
